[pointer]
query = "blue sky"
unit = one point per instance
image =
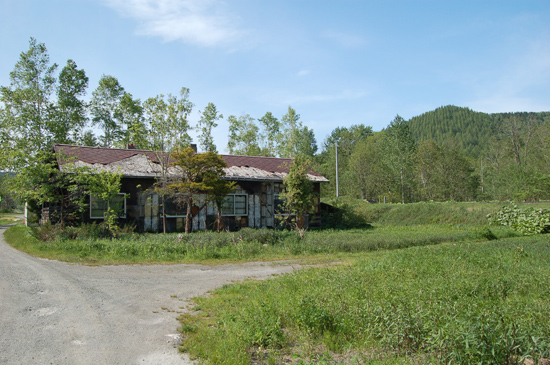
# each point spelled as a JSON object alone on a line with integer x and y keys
{"x": 338, "y": 63}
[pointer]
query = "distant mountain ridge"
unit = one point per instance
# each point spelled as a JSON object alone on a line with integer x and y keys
{"x": 464, "y": 128}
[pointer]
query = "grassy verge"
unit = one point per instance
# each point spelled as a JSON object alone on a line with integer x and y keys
{"x": 470, "y": 214}
{"x": 245, "y": 245}
{"x": 485, "y": 302}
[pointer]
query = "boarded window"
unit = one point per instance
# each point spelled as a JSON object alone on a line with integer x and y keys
{"x": 175, "y": 208}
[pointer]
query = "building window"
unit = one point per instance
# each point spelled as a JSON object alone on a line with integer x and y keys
{"x": 98, "y": 206}
{"x": 279, "y": 205}
{"x": 174, "y": 209}
{"x": 235, "y": 204}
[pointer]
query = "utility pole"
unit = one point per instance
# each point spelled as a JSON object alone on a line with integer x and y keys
{"x": 337, "y": 177}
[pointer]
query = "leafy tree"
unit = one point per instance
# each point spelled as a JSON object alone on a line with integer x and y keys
{"x": 89, "y": 139}
{"x": 105, "y": 109}
{"x": 7, "y": 203}
{"x": 130, "y": 116}
{"x": 270, "y": 136}
{"x": 168, "y": 130}
{"x": 399, "y": 149}
{"x": 290, "y": 124}
{"x": 297, "y": 139}
{"x": 43, "y": 182}
{"x": 207, "y": 122}
{"x": 305, "y": 142}
{"x": 370, "y": 175}
{"x": 7, "y": 145}
{"x": 27, "y": 105}
{"x": 70, "y": 115}
{"x": 219, "y": 190}
{"x": 198, "y": 174}
{"x": 243, "y": 136}
{"x": 346, "y": 139}
{"x": 106, "y": 186}
{"x": 297, "y": 195}
{"x": 444, "y": 173}
{"x": 168, "y": 121}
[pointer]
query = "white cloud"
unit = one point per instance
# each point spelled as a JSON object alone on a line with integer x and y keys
{"x": 303, "y": 72}
{"x": 347, "y": 40}
{"x": 199, "y": 22}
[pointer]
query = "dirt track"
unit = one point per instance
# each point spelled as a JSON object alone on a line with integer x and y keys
{"x": 57, "y": 313}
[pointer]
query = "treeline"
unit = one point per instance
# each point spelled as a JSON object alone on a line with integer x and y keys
{"x": 41, "y": 107}
{"x": 391, "y": 166}
{"x": 450, "y": 153}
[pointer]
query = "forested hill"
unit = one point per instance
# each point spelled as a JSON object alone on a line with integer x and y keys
{"x": 466, "y": 129}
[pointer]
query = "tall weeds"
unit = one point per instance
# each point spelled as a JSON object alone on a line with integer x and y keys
{"x": 457, "y": 303}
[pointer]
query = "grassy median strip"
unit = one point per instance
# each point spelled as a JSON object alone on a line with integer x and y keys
{"x": 465, "y": 302}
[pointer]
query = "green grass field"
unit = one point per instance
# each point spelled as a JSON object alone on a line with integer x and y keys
{"x": 465, "y": 303}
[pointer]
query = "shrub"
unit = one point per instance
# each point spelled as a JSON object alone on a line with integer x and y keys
{"x": 526, "y": 221}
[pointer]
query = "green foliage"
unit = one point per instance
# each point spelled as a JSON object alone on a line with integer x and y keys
{"x": 298, "y": 139}
{"x": 468, "y": 130}
{"x": 243, "y": 136}
{"x": 70, "y": 115}
{"x": 398, "y": 150}
{"x": 270, "y": 136}
{"x": 94, "y": 244}
{"x": 220, "y": 188}
{"x": 526, "y": 221}
{"x": 297, "y": 196}
{"x": 444, "y": 174}
{"x": 168, "y": 121}
{"x": 198, "y": 173}
{"x": 354, "y": 165}
{"x": 105, "y": 109}
{"x": 208, "y": 121}
{"x": 106, "y": 186}
{"x": 28, "y": 108}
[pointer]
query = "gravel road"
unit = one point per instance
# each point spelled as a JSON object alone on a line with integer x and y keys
{"x": 57, "y": 313}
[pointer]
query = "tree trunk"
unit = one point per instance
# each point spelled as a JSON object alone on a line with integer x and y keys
{"x": 189, "y": 215}
{"x": 163, "y": 214}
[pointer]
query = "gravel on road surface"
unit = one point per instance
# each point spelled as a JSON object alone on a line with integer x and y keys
{"x": 53, "y": 312}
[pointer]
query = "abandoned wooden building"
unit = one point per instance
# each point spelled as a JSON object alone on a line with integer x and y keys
{"x": 253, "y": 204}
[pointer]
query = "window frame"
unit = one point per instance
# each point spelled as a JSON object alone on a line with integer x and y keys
{"x": 233, "y": 196}
{"x": 123, "y": 216}
{"x": 173, "y": 215}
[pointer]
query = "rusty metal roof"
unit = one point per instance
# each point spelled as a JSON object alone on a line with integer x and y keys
{"x": 141, "y": 163}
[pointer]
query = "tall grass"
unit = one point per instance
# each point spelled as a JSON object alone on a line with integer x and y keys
{"x": 245, "y": 245}
{"x": 484, "y": 303}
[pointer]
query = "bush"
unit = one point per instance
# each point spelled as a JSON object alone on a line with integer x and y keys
{"x": 526, "y": 221}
